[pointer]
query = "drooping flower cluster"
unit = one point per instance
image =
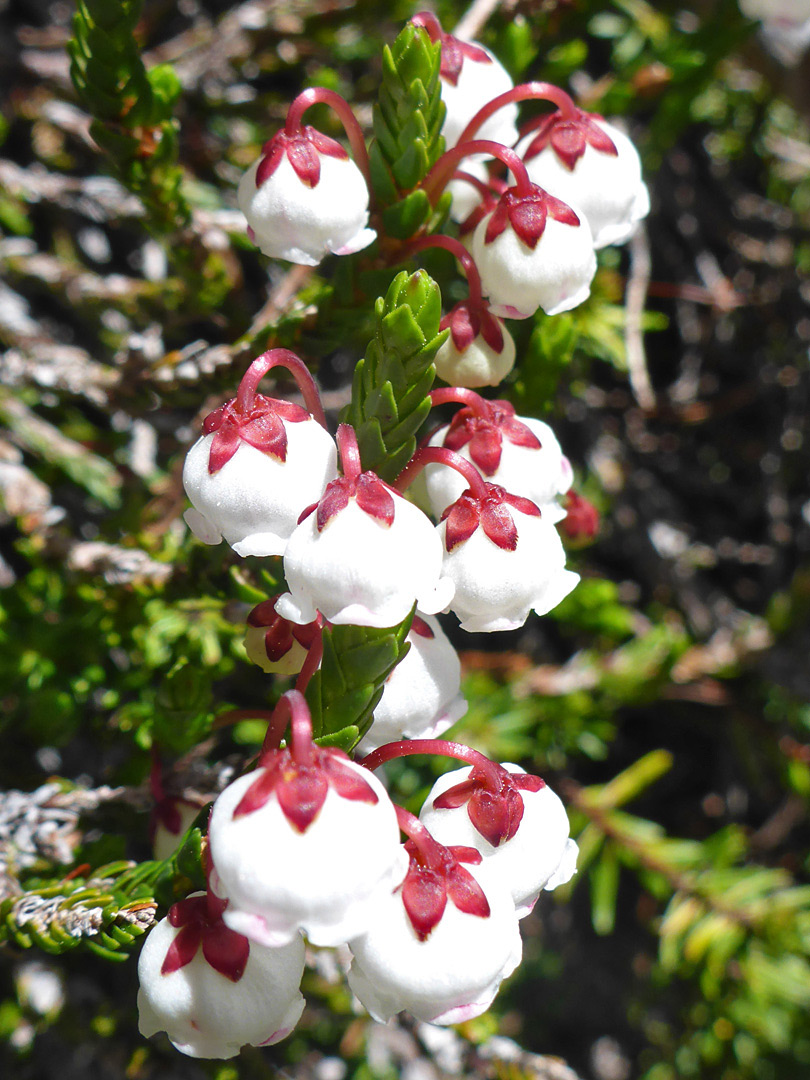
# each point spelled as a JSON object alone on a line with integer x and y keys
{"x": 307, "y": 846}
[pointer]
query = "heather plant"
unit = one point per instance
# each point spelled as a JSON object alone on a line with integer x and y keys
{"x": 237, "y": 661}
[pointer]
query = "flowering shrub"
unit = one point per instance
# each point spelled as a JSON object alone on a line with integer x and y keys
{"x": 271, "y": 717}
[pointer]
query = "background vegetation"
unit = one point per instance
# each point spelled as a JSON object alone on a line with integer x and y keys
{"x": 666, "y": 699}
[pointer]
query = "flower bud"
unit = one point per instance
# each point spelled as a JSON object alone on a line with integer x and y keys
{"x": 535, "y": 854}
{"x": 422, "y": 695}
{"x": 364, "y": 556}
{"x": 276, "y": 645}
{"x": 305, "y": 198}
{"x": 592, "y": 166}
{"x": 440, "y": 945}
{"x": 304, "y": 847}
{"x": 505, "y": 558}
{"x": 581, "y": 522}
{"x": 250, "y": 476}
{"x": 517, "y": 453}
{"x": 480, "y": 351}
{"x": 210, "y": 989}
{"x": 533, "y": 251}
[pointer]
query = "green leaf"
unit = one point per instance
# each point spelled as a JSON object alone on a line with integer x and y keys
{"x": 131, "y": 108}
{"x": 391, "y": 383}
{"x": 408, "y": 117}
{"x": 604, "y": 890}
{"x": 345, "y": 690}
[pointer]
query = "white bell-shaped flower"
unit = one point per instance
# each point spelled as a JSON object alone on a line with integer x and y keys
{"x": 422, "y": 695}
{"x": 785, "y": 29}
{"x": 251, "y": 475}
{"x": 471, "y": 77}
{"x": 794, "y": 11}
{"x": 171, "y": 818}
{"x": 479, "y": 350}
{"x": 439, "y": 946}
{"x": 304, "y": 846}
{"x": 210, "y": 989}
{"x": 538, "y": 854}
{"x": 533, "y": 251}
{"x": 594, "y": 167}
{"x": 504, "y": 558}
{"x": 364, "y": 556}
{"x": 304, "y": 198}
{"x": 518, "y": 453}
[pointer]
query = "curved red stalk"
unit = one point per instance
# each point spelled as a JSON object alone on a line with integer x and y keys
{"x": 431, "y": 850}
{"x": 292, "y": 706}
{"x": 480, "y": 185}
{"x": 300, "y": 372}
{"x": 440, "y": 455}
{"x": 442, "y": 172}
{"x": 490, "y": 770}
{"x": 320, "y": 95}
{"x": 349, "y": 451}
{"x": 310, "y": 665}
{"x": 461, "y": 394}
{"x": 455, "y": 247}
{"x": 531, "y": 91}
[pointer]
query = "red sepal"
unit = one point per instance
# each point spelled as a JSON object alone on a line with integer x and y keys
{"x": 224, "y": 445}
{"x": 525, "y": 506}
{"x": 305, "y": 162}
{"x": 485, "y": 434}
{"x": 200, "y": 920}
{"x": 581, "y": 523}
{"x": 424, "y": 895}
{"x": 527, "y": 782}
{"x": 496, "y": 815}
{"x": 301, "y": 796}
{"x": 374, "y": 498}
{"x": 303, "y": 152}
{"x": 259, "y": 792}
{"x": 420, "y": 627}
{"x": 462, "y": 518}
{"x": 334, "y": 499}
{"x": 226, "y": 951}
{"x": 499, "y": 525}
{"x": 166, "y": 812}
{"x": 301, "y": 789}
{"x": 464, "y": 324}
{"x": 465, "y": 892}
{"x": 273, "y": 151}
{"x": 456, "y": 796}
{"x": 262, "y": 428}
{"x": 346, "y": 781}
{"x": 183, "y": 949}
{"x": 466, "y": 854}
{"x": 527, "y": 215}
{"x": 432, "y": 880}
{"x": 569, "y": 138}
{"x": 486, "y": 206}
{"x": 492, "y": 330}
